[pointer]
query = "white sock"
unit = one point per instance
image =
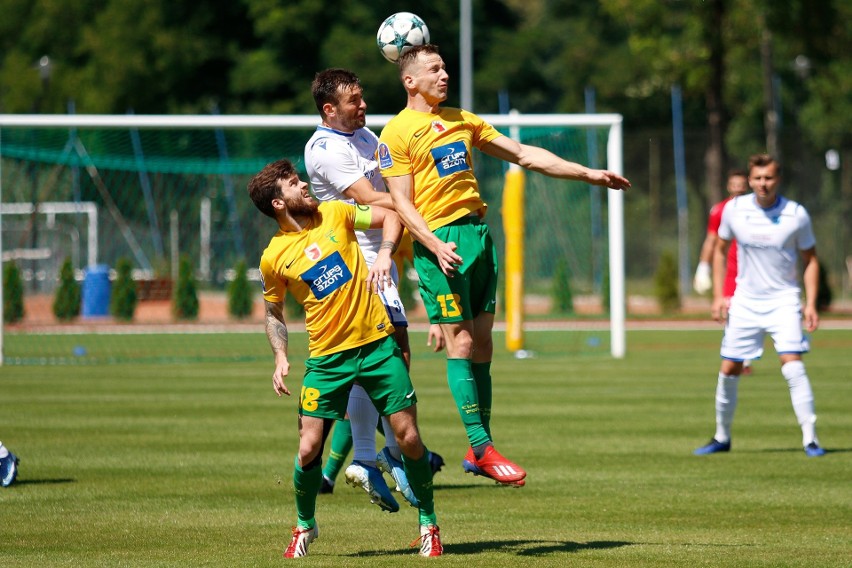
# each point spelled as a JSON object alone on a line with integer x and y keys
{"x": 3, "y": 451}
{"x": 802, "y": 397}
{"x": 363, "y": 417}
{"x": 726, "y": 404}
{"x": 390, "y": 439}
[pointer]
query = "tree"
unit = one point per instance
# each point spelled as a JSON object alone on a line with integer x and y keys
{"x": 13, "y": 293}
{"x": 124, "y": 299}
{"x": 66, "y": 304}
{"x": 185, "y": 300}
{"x": 666, "y": 283}
{"x": 240, "y": 293}
{"x": 563, "y": 299}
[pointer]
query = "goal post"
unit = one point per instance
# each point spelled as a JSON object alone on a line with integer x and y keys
{"x": 191, "y": 163}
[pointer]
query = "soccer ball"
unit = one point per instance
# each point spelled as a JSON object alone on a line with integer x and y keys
{"x": 399, "y": 33}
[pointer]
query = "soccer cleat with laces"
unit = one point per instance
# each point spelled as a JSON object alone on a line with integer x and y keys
{"x": 813, "y": 450}
{"x": 495, "y": 466}
{"x": 370, "y": 479}
{"x": 8, "y": 469}
{"x": 430, "y": 541}
{"x": 712, "y": 447}
{"x": 393, "y": 467}
{"x": 302, "y": 537}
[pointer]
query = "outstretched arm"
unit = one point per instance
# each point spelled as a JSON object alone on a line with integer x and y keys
{"x": 276, "y": 332}
{"x": 545, "y": 162}
{"x": 401, "y": 190}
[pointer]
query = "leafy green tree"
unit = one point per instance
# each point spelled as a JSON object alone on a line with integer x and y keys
{"x": 666, "y": 283}
{"x": 66, "y": 303}
{"x": 124, "y": 298}
{"x": 13, "y": 293}
{"x": 563, "y": 299}
{"x": 240, "y": 293}
{"x": 185, "y": 300}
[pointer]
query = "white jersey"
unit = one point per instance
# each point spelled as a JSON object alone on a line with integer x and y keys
{"x": 769, "y": 241}
{"x": 336, "y": 160}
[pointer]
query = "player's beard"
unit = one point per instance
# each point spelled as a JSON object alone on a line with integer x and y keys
{"x": 300, "y": 207}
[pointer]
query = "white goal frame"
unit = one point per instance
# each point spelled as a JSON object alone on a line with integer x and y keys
{"x": 614, "y": 162}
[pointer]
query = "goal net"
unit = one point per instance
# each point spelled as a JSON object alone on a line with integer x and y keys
{"x": 94, "y": 189}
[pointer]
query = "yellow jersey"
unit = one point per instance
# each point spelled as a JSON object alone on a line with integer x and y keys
{"x": 435, "y": 148}
{"x": 323, "y": 268}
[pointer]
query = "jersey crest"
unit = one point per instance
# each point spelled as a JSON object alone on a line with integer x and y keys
{"x": 313, "y": 252}
{"x": 385, "y": 160}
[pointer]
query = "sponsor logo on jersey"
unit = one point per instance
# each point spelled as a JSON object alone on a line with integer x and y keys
{"x": 331, "y": 236}
{"x": 438, "y": 126}
{"x": 327, "y": 275}
{"x": 320, "y": 143}
{"x": 450, "y": 158}
{"x": 385, "y": 160}
{"x": 313, "y": 252}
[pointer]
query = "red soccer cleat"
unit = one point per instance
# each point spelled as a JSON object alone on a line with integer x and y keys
{"x": 495, "y": 466}
{"x": 430, "y": 541}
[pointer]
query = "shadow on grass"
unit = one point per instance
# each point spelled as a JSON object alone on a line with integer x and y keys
{"x": 517, "y": 547}
{"x": 44, "y": 481}
{"x": 795, "y": 451}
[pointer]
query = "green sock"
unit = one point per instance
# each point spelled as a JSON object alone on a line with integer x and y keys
{"x": 464, "y": 391}
{"x": 419, "y": 474}
{"x": 482, "y": 375}
{"x": 306, "y": 485}
{"x": 341, "y": 445}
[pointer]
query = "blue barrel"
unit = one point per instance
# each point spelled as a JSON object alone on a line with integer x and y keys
{"x": 96, "y": 291}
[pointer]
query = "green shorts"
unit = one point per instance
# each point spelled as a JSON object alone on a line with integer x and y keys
{"x": 377, "y": 366}
{"x": 470, "y": 291}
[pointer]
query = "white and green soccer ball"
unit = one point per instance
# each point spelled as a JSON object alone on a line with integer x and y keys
{"x": 399, "y": 33}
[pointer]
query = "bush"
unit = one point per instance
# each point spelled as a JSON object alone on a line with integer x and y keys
{"x": 185, "y": 299}
{"x": 563, "y": 299}
{"x": 123, "y": 302}
{"x": 666, "y": 283}
{"x": 240, "y": 293}
{"x": 13, "y": 294}
{"x": 66, "y": 304}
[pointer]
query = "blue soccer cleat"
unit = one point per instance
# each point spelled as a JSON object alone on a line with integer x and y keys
{"x": 370, "y": 479}
{"x": 436, "y": 461}
{"x": 8, "y": 469}
{"x": 813, "y": 450}
{"x": 713, "y": 447}
{"x": 393, "y": 467}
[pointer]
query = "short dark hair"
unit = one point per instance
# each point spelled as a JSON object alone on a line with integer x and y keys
{"x": 763, "y": 160}
{"x": 410, "y": 55}
{"x": 263, "y": 187}
{"x": 328, "y": 83}
{"x": 737, "y": 172}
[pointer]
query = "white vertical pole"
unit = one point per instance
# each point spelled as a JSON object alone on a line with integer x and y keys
{"x": 616, "y": 246}
{"x": 466, "y": 54}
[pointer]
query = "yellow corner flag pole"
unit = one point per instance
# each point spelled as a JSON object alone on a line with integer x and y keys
{"x": 513, "y": 227}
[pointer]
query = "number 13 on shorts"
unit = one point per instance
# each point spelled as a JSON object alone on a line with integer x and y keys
{"x": 450, "y": 307}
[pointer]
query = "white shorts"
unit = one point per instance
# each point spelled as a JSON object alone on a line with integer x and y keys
{"x": 392, "y": 301}
{"x": 749, "y": 322}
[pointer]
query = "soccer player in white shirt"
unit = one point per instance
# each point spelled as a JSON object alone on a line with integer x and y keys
{"x": 771, "y": 231}
{"x": 341, "y": 164}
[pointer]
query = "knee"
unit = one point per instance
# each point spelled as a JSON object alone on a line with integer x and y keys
{"x": 410, "y": 443}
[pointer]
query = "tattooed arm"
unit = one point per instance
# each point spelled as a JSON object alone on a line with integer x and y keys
{"x": 276, "y": 332}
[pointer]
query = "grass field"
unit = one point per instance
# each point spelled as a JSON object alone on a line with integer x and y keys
{"x": 190, "y": 464}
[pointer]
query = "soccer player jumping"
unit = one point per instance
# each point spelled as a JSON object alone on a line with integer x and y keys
{"x": 425, "y": 157}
